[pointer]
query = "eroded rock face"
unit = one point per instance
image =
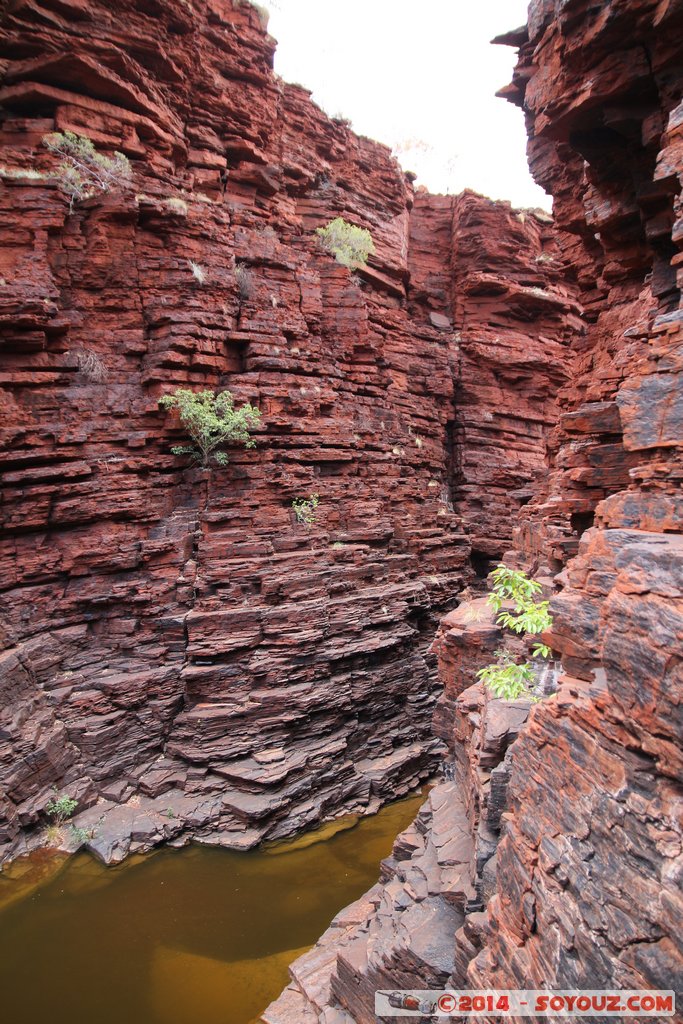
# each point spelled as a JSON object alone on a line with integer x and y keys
{"x": 500, "y": 276}
{"x": 589, "y": 882}
{"x": 573, "y": 808}
{"x": 181, "y": 656}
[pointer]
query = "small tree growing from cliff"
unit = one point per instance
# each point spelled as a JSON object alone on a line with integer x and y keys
{"x": 83, "y": 172}
{"x": 212, "y": 421}
{"x": 507, "y": 678}
{"x": 348, "y": 244}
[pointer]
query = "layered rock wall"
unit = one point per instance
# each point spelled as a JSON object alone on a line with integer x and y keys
{"x": 181, "y": 655}
{"x": 567, "y": 816}
{"x": 501, "y": 276}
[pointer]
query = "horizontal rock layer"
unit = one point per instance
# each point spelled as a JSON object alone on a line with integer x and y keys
{"x": 180, "y": 654}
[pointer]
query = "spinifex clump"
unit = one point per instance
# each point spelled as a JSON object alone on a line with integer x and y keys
{"x": 348, "y": 244}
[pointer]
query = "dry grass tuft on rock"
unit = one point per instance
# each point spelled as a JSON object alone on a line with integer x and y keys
{"x": 263, "y": 12}
{"x": 198, "y": 272}
{"x": 245, "y": 281}
{"x": 83, "y": 172}
{"x": 92, "y": 367}
{"x": 175, "y": 205}
{"x": 22, "y": 172}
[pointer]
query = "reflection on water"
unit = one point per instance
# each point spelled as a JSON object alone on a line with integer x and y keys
{"x": 196, "y": 936}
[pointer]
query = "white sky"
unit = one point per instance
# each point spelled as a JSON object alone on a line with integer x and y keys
{"x": 421, "y": 75}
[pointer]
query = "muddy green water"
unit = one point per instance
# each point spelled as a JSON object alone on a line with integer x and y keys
{"x": 193, "y": 936}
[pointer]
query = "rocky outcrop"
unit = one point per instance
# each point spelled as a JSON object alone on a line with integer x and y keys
{"x": 573, "y": 808}
{"x": 423, "y": 923}
{"x": 599, "y": 88}
{"x": 180, "y": 655}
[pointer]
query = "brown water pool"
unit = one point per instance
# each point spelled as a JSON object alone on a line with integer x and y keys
{"x": 193, "y": 936}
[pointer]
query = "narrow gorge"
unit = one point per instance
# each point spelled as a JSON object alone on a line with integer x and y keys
{"x": 192, "y": 663}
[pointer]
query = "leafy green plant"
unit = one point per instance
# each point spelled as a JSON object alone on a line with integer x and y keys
{"x": 305, "y": 509}
{"x": 212, "y": 421}
{"x": 348, "y": 244}
{"x": 81, "y": 835}
{"x": 83, "y": 172}
{"x": 529, "y": 616}
{"x": 61, "y": 809}
{"x": 507, "y": 678}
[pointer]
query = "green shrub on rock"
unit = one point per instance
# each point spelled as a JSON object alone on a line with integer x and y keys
{"x": 506, "y": 678}
{"x": 305, "y": 509}
{"x": 61, "y": 809}
{"x": 212, "y": 421}
{"x": 348, "y": 244}
{"x": 80, "y": 836}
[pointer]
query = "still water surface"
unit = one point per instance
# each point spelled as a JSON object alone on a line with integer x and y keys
{"x": 193, "y": 936}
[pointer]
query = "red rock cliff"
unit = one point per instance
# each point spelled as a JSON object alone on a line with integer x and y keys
{"x": 588, "y": 891}
{"x": 552, "y": 858}
{"x": 175, "y": 639}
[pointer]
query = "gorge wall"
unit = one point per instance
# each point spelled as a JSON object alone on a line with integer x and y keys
{"x": 589, "y": 886}
{"x": 180, "y": 655}
{"x": 553, "y": 856}
{"x": 187, "y": 660}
